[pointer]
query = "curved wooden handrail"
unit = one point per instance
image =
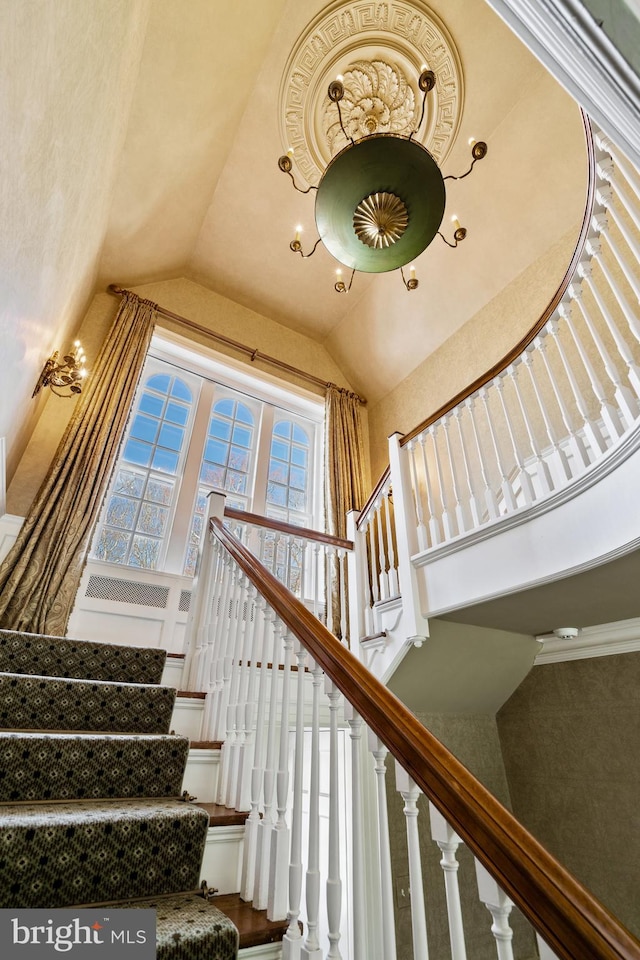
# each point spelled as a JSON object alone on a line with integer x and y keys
{"x": 530, "y": 336}
{"x": 568, "y": 917}
{"x": 257, "y": 520}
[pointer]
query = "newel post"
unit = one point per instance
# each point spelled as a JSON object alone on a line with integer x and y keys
{"x": 201, "y": 591}
{"x": 415, "y": 625}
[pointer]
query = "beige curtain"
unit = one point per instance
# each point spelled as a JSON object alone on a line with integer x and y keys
{"x": 344, "y": 476}
{"x": 40, "y": 576}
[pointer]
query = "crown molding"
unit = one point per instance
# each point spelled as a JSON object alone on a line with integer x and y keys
{"x": 569, "y": 42}
{"x": 603, "y": 640}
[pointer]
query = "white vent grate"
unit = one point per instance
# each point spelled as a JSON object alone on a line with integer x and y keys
{"x": 185, "y": 601}
{"x": 127, "y": 591}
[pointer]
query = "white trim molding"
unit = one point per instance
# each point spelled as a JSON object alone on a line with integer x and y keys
{"x": 603, "y": 640}
{"x": 569, "y": 42}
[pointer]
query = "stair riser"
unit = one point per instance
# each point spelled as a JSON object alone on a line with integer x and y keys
{"x": 201, "y": 775}
{"x": 222, "y": 860}
{"x": 186, "y": 719}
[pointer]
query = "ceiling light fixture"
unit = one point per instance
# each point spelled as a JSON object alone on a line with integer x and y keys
{"x": 67, "y": 374}
{"x": 381, "y": 200}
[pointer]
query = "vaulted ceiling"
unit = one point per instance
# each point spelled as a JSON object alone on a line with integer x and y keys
{"x": 144, "y": 137}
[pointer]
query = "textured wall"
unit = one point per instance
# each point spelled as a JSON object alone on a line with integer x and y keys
{"x": 474, "y": 741}
{"x": 570, "y": 738}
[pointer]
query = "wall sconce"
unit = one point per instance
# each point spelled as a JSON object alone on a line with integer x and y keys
{"x": 67, "y": 373}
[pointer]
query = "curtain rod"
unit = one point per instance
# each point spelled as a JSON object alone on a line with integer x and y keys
{"x": 251, "y": 352}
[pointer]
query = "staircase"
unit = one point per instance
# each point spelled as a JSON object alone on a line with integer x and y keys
{"x": 91, "y": 804}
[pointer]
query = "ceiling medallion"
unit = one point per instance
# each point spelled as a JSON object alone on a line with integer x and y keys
{"x": 380, "y": 219}
{"x": 378, "y": 48}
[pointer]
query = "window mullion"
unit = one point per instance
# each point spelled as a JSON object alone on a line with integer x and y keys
{"x": 263, "y": 454}
{"x": 174, "y": 561}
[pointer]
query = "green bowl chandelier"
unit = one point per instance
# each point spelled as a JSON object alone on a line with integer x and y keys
{"x": 381, "y": 199}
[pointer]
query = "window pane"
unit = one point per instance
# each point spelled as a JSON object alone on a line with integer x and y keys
{"x": 181, "y": 390}
{"x": 225, "y": 407}
{"x": 239, "y": 459}
{"x": 242, "y": 436}
{"x": 280, "y": 450}
{"x": 165, "y": 461}
{"x": 152, "y": 519}
{"x": 159, "y": 382}
{"x": 191, "y": 560}
{"x": 112, "y": 546}
{"x": 276, "y": 494}
{"x": 171, "y": 436}
{"x": 201, "y": 502}
{"x": 144, "y": 428}
{"x": 212, "y": 475}
{"x": 144, "y": 553}
{"x": 151, "y": 404}
{"x": 298, "y": 478}
{"x": 297, "y": 500}
{"x": 129, "y": 483}
{"x": 282, "y": 429}
{"x": 299, "y": 456}
{"x": 121, "y": 512}
{"x": 278, "y": 471}
{"x": 216, "y": 451}
{"x": 220, "y": 428}
{"x": 159, "y": 491}
{"x": 235, "y": 482}
{"x": 244, "y": 414}
{"x": 136, "y": 452}
{"x": 299, "y": 435}
{"x": 176, "y": 413}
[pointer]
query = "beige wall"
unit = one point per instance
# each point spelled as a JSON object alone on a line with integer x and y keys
{"x": 570, "y": 738}
{"x": 199, "y": 305}
{"x": 470, "y": 351}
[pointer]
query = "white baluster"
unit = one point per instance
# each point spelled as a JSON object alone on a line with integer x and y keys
{"x": 222, "y": 666}
{"x": 605, "y": 196}
{"x": 244, "y": 719}
{"x": 252, "y": 829}
{"x": 394, "y": 587}
{"x": 311, "y": 946}
{"x": 228, "y": 754}
{"x": 608, "y": 412}
{"x": 357, "y": 852}
{"x": 382, "y": 561}
{"x": 594, "y": 249}
{"x": 334, "y": 882}
{"x": 410, "y": 792}
{"x": 239, "y": 683}
{"x": 372, "y": 557}
{"x": 292, "y": 940}
{"x": 342, "y": 588}
{"x": 421, "y": 529}
{"x": 633, "y": 371}
{"x": 594, "y": 437}
{"x": 505, "y": 485}
{"x": 523, "y": 477}
{"x": 379, "y": 752}
{"x": 434, "y": 529}
{"x": 624, "y": 397}
{"x": 499, "y": 906}
{"x": 448, "y": 842}
{"x": 278, "y": 882}
{"x": 576, "y": 444}
{"x": 601, "y": 224}
{"x": 461, "y": 525}
{"x": 474, "y": 513}
{"x": 489, "y": 495}
{"x": 542, "y": 468}
{"x": 445, "y": 515}
{"x": 261, "y": 894}
{"x": 621, "y": 163}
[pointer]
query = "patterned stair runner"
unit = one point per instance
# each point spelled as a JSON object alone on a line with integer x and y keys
{"x": 90, "y": 781}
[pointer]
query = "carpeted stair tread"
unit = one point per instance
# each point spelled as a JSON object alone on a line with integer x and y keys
{"x": 48, "y": 656}
{"x": 30, "y": 702}
{"x": 189, "y": 928}
{"x": 67, "y": 766}
{"x": 57, "y": 854}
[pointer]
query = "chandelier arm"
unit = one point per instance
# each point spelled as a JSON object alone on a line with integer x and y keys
{"x": 340, "y": 286}
{"x": 297, "y": 248}
{"x": 426, "y": 82}
{"x": 452, "y": 245}
{"x": 478, "y": 152}
{"x": 299, "y": 189}
{"x": 347, "y": 135}
{"x": 411, "y": 283}
{"x": 462, "y": 175}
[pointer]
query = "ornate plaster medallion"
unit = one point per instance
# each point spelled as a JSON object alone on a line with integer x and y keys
{"x": 378, "y": 48}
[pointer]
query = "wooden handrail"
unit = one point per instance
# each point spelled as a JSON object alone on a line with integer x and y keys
{"x": 373, "y": 496}
{"x": 530, "y": 336}
{"x": 290, "y": 528}
{"x": 568, "y": 917}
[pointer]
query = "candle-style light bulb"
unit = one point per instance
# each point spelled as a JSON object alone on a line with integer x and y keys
{"x": 472, "y": 141}
{"x": 290, "y": 151}
{"x": 298, "y": 232}
{"x": 455, "y": 222}
{"x": 412, "y": 272}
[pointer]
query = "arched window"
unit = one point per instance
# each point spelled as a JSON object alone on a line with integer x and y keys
{"x": 137, "y": 515}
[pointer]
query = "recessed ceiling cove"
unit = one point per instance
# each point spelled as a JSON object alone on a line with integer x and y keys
{"x": 379, "y": 50}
